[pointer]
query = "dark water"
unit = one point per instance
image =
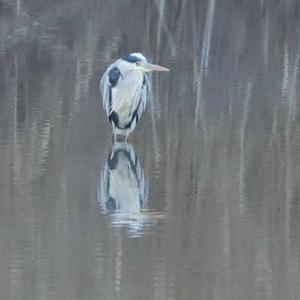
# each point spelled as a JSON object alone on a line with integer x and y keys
{"x": 210, "y": 208}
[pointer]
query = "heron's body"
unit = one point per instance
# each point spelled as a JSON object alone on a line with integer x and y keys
{"x": 125, "y": 88}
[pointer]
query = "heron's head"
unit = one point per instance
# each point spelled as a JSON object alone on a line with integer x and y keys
{"x": 139, "y": 62}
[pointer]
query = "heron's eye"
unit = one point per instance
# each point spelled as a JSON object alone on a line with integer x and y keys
{"x": 138, "y": 63}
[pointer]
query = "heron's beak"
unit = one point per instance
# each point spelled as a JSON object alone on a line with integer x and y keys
{"x": 150, "y": 68}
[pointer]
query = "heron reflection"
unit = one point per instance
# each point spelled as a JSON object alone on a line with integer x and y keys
{"x": 123, "y": 189}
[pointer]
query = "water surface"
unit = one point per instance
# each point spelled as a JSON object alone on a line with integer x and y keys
{"x": 213, "y": 180}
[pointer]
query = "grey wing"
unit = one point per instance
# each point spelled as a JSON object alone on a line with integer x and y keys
{"x": 105, "y": 88}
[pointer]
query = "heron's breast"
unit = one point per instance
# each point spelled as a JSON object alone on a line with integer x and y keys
{"x": 126, "y": 95}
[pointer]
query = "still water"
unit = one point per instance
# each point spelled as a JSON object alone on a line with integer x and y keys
{"x": 206, "y": 198}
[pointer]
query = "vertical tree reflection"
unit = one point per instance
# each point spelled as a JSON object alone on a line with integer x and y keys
{"x": 220, "y": 144}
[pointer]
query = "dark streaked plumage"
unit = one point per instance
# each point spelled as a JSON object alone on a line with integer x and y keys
{"x": 114, "y": 75}
{"x": 132, "y": 58}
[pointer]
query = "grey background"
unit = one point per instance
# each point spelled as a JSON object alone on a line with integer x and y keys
{"x": 219, "y": 146}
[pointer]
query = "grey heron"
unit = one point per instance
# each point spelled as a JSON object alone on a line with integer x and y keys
{"x": 125, "y": 88}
